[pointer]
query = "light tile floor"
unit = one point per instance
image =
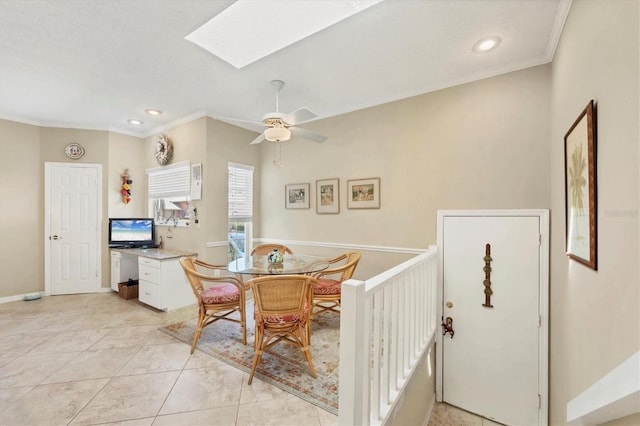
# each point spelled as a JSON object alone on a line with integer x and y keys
{"x": 447, "y": 415}
{"x": 99, "y": 359}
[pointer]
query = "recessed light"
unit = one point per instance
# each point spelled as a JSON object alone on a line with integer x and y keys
{"x": 133, "y": 121}
{"x": 153, "y": 111}
{"x": 486, "y": 44}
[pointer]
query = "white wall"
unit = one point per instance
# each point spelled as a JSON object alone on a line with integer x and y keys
{"x": 595, "y": 316}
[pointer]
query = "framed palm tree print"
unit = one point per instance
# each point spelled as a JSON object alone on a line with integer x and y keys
{"x": 580, "y": 188}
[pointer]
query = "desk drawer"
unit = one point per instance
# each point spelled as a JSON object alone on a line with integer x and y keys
{"x": 150, "y": 294}
{"x": 148, "y": 262}
{"x": 149, "y": 273}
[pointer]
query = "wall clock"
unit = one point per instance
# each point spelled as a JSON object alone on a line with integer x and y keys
{"x": 163, "y": 150}
{"x": 74, "y": 151}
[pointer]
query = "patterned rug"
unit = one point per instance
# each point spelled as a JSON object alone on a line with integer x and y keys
{"x": 288, "y": 370}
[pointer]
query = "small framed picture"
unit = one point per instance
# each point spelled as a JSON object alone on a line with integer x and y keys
{"x": 328, "y": 196}
{"x": 580, "y": 188}
{"x": 363, "y": 193}
{"x": 297, "y": 195}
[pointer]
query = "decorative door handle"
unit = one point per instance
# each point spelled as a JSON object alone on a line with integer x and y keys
{"x": 487, "y": 276}
{"x": 447, "y": 327}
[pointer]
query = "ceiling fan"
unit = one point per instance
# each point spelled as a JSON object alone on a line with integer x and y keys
{"x": 280, "y": 127}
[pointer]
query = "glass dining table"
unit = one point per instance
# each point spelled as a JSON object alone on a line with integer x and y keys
{"x": 291, "y": 264}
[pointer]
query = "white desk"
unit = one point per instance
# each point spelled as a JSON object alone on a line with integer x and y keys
{"x": 161, "y": 280}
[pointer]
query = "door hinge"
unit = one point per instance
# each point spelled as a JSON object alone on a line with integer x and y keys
{"x": 539, "y": 320}
{"x": 539, "y": 401}
{"x": 539, "y": 239}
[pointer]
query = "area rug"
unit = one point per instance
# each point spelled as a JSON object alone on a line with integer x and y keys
{"x": 288, "y": 370}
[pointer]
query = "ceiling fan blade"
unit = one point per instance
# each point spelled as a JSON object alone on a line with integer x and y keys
{"x": 316, "y": 137}
{"x": 258, "y": 140}
{"x": 255, "y": 126}
{"x": 299, "y": 116}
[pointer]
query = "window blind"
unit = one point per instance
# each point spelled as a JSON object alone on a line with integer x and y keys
{"x": 170, "y": 181}
{"x": 240, "y": 192}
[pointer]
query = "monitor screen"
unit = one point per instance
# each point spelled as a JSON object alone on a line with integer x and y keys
{"x": 131, "y": 232}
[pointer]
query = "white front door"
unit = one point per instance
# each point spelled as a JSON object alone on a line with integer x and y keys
{"x": 72, "y": 228}
{"x": 491, "y": 363}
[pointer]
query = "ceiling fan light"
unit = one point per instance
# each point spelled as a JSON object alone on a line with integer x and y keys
{"x": 277, "y": 134}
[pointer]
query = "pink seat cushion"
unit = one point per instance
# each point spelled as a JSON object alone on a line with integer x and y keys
{"x": 225, "y": 293}
{"x": 327, "y": 287}
{"x": 278, "y": 319}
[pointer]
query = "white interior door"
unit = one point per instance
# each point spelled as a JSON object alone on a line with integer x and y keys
{"x": 491, "y": 364}
{"x": 72, "y": 228}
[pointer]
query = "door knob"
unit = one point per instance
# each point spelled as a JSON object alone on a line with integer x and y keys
{"x": 447, "y": 327}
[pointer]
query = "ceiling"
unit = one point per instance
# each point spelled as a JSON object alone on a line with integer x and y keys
{"x": 96, "y": 64}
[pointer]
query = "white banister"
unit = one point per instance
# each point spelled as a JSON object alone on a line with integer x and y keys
{"x": 352, "y": 344}
{"x": 386, "y": 325}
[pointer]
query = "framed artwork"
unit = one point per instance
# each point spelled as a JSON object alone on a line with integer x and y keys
{"x": 363, "y": 193}
{"x": 296, "y": 195}
{"x": 580, "y": 188}
{"x": 327, "y": 196}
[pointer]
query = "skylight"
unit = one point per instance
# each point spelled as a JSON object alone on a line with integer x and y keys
{"x": 249, "y": 30}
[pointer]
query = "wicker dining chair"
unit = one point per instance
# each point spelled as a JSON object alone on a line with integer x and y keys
{"x": 282, "y": 313}
{"x": 268, "y": 248}
{"x": 328, "y": 290}
{"x": 218, "y": 296}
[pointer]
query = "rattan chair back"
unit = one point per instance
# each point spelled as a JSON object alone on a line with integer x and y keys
{"x": 268, "y": 248}
{"x": 201, "y": 276}
{"x": 282, "y": 312}
{"x": 331, "y": 302}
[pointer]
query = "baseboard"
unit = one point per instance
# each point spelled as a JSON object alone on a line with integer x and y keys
{"x": 614, "y": 396}
{"x": 18, "y": 297}
{"x": 430, "y": 411}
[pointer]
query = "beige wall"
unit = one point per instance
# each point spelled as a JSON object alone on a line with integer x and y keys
{"x": 631, "y": 420}
{"x": 213, "y": 144}
{"x": 482, "y": 145}
{"x": 595, "y": 316}
{"x": 414, "y": 405}
{"x": 21, "y": 201}
{"x": 189, "y": 143}
{"x": 126, "y": 153}
{"x": 225, "y": 143}
{"x": 25, "y": 149}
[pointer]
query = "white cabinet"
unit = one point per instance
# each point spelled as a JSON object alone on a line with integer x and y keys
{"x": 123, "y": 267}
{"x": 163, "y": 284}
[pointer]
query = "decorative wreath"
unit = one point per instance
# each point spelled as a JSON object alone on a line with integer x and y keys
{"x": 163, "y": 150}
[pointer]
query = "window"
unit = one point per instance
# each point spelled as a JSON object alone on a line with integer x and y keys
{"x": 169, "y": 188}
{"x": 240, "y": 195}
